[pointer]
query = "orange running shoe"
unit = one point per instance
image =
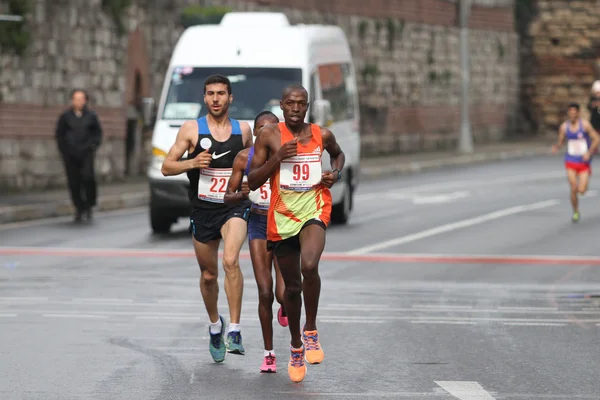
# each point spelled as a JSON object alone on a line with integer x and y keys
{"x": 296, "y": 366}
{"x": 314, "y": 352}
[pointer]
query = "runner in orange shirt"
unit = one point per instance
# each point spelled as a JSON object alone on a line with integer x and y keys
{"x": 289, "y": 154}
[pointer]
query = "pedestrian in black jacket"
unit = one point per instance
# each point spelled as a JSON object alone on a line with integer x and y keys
{"x": 78, "y": 135}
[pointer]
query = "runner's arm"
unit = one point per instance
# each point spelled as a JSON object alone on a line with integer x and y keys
{"x": 232, "y": 196}
{"x": 595, "y": 137}
{"x": 246, "y": 134}
{"x": 262, "y": 167}
{"x": 561, "y": 136}
{"x": 171, "y": 164}
{"x": 336, "y": 155}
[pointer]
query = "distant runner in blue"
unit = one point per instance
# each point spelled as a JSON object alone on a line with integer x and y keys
{"x": 582, "y": 142}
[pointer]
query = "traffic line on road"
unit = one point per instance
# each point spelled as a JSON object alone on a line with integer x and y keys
{"x": 74, "y": 315}
{"x": 535, "y": 323}
{"x": 194, "y": 316}
{"x": 381, "y": 258}
{"x": 465, "y": 390}
{"x": 455, "y": 226}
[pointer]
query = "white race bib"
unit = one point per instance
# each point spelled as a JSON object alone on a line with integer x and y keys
{"x": 213, "y": 184}
{"x": 577, "y": 147}
{"x": 261, "y": 196}
{"x": 300, "y": 173}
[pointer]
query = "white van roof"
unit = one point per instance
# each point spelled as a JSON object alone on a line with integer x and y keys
{"x": 258, "y": 39}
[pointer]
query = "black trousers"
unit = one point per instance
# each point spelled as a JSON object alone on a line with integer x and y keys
{"x": 82, "y": 181}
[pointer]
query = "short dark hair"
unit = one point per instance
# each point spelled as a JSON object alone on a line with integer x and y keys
{"x": 217, "y": 79}
{"x": 79, "y": 90}
{"x": 292, "y": 88}
{"x": 263, "y": 114}
{"x": 573, "y": 105}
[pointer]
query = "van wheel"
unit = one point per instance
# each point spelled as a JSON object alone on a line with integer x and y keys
{"x": 340, "y": 213}
{"x": 160, "y": 220}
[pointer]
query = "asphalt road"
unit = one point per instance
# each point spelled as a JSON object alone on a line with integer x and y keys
{"x": 468, "y": 283}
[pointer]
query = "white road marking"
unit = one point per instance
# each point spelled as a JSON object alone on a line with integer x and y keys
{"x": 444, "y": 322}
{"x": 456, "y": 225}
{"x": 442, "y": 307}
{"x": 84, "y": 316}
{"x": 8, "y": 315}
{"x": 130, "y": 309}
{"x": 463, "y": 184}
{"x": 465, "y": 390}
{"x": 534, "y": 324}
{"x": 368, "y": 394}
{"x": 529, "y": 309}
{"x": 26, "y": 299}
{"x": 440, "y": 198}
{"x": 100, "y": 300}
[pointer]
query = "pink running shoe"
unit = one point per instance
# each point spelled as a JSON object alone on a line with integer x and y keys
{"x": 283, "y": 321}
{"x": 268, "y": 364}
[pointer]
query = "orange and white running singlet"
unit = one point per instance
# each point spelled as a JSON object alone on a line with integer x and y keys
{"x": 297, "y": 195}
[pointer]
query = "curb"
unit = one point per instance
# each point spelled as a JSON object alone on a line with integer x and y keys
{"x": 64, "y": 208}
{"x": 405, "y": 168}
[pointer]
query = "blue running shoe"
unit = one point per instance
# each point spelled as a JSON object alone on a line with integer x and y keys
{"x": 234, "y": 343}
{"x": 217, "y": 343}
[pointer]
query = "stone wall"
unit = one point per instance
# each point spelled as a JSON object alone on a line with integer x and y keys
{"x": 560, "y": 54}
{"x": 29, "y": 157}
{"x": 407, "y": 58}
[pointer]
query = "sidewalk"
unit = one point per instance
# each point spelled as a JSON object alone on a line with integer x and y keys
{"x": 134, "y": 192}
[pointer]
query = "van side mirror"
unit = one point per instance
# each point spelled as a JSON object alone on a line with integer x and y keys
{"x": 322, "y": 112}
{"x": 148, "y": 110}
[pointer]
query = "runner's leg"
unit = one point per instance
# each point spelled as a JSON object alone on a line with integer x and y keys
{"x": 279, "y": 293}
{"x": 261, "y": 262}
{"x": 289, "y": 265}
{"x": 572, "y": 177}
{"x": 234, "y": 234}
{"x": 208, "y": 260}
{"x": 312, "y": 242}
{"x": 584, "y": 179}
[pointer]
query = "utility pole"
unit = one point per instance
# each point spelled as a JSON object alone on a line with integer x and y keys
{"x": 465, "y": 142}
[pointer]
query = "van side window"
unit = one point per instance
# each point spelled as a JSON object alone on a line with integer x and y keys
{"x": 337, "y": 86}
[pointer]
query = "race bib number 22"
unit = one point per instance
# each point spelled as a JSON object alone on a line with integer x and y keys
{"x": 213, "y": 184}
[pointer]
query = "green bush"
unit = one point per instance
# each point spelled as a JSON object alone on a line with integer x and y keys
{"x": 116, "y": 8}
{"x": 14, "y": 36}
{"x": 198, "y": 15}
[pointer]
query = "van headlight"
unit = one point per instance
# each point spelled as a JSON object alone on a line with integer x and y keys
{"x": 158, "y": 157}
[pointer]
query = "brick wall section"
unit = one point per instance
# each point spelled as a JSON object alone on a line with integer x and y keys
{"x": 407, "y": 120}
{"x": 432, "y": 12}
{"x": 31, "y": 120}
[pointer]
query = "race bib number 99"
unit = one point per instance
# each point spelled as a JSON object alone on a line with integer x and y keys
{"x": 262, "y": 196}
{"x": 300, "y": 173}
{"x": 213, "y": 184}
{"x": 577, "y": 147}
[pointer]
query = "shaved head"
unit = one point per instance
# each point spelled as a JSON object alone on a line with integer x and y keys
{"x": 289, "y": 89}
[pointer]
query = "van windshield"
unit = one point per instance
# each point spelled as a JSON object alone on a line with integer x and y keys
{"x": 254, "y": 90}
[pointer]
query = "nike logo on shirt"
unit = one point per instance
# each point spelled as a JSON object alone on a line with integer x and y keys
{"x": 215, "y": 156}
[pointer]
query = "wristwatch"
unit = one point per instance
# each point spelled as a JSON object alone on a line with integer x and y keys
{"x": 339, "y": 173}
